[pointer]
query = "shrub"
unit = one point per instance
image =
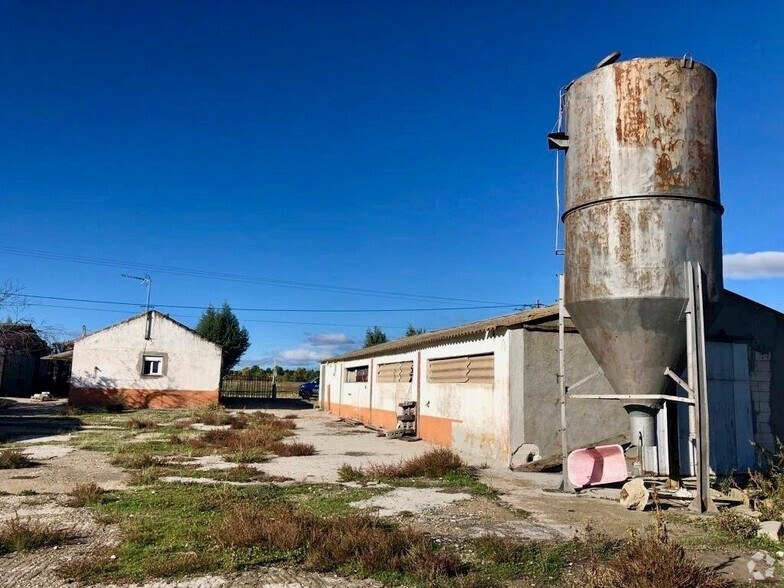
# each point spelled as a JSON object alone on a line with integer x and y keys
{"x": 83, "y": 567}
{"x": 292, "y": 449}
{"x": 84, "y": 493}
{"x": 135, "y": 423}
{"x": 17, "y": 534}
{"x": 248, "y": 455}
{"x": 330, "y": 543}
{"x": 14, "y": 459}
{"x": 213, "y": 414}
{"x": 652, "y": 561}
{"x": 251, "y": 444}
{"x": 348, "y": 473}
{"x": 737, "y": 525}
{"x": 766, "y": 486}
{"x": 435, "y": 463}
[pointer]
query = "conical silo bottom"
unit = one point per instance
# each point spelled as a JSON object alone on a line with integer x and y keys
{"x": 633, "y": 340}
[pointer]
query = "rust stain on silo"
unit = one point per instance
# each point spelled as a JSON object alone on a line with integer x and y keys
{"x": 623, "y": 251}
{"x": 631, "y": 125}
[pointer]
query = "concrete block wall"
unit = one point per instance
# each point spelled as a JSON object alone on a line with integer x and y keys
{"x": 760, "y": 384}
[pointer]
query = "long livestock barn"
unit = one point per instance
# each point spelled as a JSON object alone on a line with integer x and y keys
{"x": 490, "y": 389}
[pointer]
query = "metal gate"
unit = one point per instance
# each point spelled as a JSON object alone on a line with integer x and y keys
{"x": 244, "y": 386}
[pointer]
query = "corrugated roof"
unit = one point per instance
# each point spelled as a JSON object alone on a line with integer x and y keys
{"x": 526, "y": 317}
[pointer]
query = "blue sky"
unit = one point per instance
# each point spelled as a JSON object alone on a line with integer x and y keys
{"x": 321, "y": 156}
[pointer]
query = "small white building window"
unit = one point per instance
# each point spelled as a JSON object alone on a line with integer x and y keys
{"x": 357, "y": 374}
{"x": 152, "y": 365}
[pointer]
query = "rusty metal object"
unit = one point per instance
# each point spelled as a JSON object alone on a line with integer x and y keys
{"x": 642, "y": 197}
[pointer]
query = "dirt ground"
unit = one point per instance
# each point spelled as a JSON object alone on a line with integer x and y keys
{"x": 447, "y": 515}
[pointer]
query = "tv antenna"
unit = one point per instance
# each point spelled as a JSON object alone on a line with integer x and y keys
{"x": 146, "y": 281}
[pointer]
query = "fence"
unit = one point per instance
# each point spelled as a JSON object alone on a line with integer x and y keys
{"x": 243, "y": 386}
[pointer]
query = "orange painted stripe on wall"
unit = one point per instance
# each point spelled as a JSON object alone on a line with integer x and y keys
{"x": 140, "y": 398}
{"x": 434, "y": 429}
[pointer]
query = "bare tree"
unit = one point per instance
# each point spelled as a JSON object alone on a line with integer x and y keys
{"x": 19, "y": 331}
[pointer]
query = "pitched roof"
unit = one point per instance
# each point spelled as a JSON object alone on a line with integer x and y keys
{"x": 527, "y": 317}
{"x": 141, "y": 314}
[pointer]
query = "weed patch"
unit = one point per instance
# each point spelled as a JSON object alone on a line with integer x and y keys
{"x": 328, "y": 544}
{"x": 84, "y": 494}
{"x": 258, "y": 437}
{"x": 14, "y": 459}
{"x": 292, "y": 449}
{"x": 736, "y": 525}
{"x": 348, "y": 473}
{"x": 136, "y": 424}
{"x": 18, "y": 534}
{"x": 432, "y": 464}
{"x": 651, "y": 561}
{"x": 441, "y": 464}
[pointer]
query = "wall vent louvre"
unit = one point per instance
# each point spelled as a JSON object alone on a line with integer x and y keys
{"x": 401, "y": 372}
{"x": 471, "y": 369}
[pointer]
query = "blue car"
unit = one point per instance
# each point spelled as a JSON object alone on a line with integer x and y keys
{"x": 309, "y": 390}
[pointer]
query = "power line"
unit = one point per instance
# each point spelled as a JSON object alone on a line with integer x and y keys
{"x": 244, "y": 320}
{"x": 304, "y": 310}
{"x": 98, "y": 261}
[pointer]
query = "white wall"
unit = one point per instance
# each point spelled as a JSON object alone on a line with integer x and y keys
{"x": 471, "y": 418}
{"x": 111, "y": 358}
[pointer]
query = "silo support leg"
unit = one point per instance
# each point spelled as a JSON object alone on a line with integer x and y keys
{"x": 697, "y": 388}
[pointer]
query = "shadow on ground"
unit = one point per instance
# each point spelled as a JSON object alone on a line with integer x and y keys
{"x": 268, "y": 403}
{"x": 24, "y": 420}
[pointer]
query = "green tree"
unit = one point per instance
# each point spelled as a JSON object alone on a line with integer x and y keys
{"x": 222, "y": 327}
{"x": 375, "y": 336}
{"x": 412, "y": 330}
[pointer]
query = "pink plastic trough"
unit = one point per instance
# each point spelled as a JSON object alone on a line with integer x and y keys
{"x": 594, "y": 466}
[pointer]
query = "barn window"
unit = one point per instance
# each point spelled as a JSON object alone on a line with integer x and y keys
{"x": 152, "y": 365}
{"x": 401, "y": 372}
{"x": 469, "y": 369}
{"x": 357, "y": 374}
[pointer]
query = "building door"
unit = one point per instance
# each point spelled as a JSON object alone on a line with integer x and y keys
{"x": 729, "y": 411}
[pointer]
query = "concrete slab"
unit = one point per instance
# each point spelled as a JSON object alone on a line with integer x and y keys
{"x": 40, "y": 452}
{"x": 413, "y": 500}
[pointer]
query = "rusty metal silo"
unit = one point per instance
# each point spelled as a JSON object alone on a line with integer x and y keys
{"x": 642, "y": 198}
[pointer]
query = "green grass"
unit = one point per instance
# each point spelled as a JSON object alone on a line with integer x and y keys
{"x": 175, "y": 519}
{"x": 512, "y": 558}
{"x": 170, "y": 530}
{"x": 467, "y": 480}
{"x": 329, "y": 499}
{"x": 721, "y": 533}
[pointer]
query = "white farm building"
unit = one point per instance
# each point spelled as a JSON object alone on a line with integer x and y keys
{"x": 489, "y": 389}
{"x": 147, "y": 361}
